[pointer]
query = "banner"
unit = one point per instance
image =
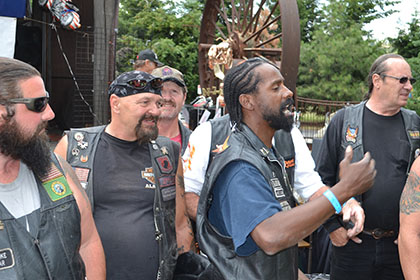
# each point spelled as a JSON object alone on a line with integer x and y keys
{"x": 8, "y": 36}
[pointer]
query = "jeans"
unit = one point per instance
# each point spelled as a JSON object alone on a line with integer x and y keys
{"x": 371, "y": 260}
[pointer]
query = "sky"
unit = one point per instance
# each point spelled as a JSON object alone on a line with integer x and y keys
{"x": 389, "y": 26}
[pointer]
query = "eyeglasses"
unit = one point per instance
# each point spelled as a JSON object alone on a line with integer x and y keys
{"x": 142, "y": 84}
{"x": 402, "y": 80}
{"x": 37, "y": 104}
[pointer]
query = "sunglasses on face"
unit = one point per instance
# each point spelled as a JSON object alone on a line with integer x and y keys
{"x": 142, "y": 84}
{"x": 37, "y": 104}
{"x": 402, "y": 80}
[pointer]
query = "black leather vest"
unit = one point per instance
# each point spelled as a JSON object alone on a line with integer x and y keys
{"x": 82, "y": 144}
{"x": 246, "y": 146}
{"x": 185, "y": 136}
{"x": 352, "y": 133}
{"x": 54, "y": 253}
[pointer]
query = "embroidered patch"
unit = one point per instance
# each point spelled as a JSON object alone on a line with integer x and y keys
{"x": 166, "y": 181}
{"x": 7, "y": 260}
{"x": 57, "y": 188}
{"x": 285, "y": 205}
{"x": 221, "y": 148}
{"x": 164, "y": 150}
{"x": 148, "y": 175}
{"x": 414, "y": 134}
{"x": 164, "y": 164}
{"x": 351, "y": 134}
{"x": 82, "y": 174}
{"x": 289, "y": 163}
{"x": 168, "y": 193}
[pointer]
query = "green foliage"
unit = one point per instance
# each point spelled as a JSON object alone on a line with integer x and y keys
{"x": 170, "y": 29}
{"x": 310, "y": 16}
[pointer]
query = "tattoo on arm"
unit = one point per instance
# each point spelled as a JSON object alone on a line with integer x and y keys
{"x": 180, "y": 179}
{"x": 410, "y": 197}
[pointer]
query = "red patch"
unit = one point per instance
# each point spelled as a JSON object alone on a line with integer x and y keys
{"x": 164, "y": 164}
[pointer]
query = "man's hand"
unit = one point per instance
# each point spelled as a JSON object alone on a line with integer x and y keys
{"x": 358, "y": 177}
{"x": 353, "y": 212}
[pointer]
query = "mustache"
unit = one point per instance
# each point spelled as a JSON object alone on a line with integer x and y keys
{"x": 168, "y": 102}
{"x": 148, "y": 117}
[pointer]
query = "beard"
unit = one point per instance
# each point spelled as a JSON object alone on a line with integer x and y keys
{"x": 279, "y": 120}
{"x": 146, "y": 134}
{"x": 33, "y": 151}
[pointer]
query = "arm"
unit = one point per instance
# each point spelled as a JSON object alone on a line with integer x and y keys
{"x": 184, "y": 231}
{"x": 195, "y": 161}
{"x": 409, "y": 236}
{"x": 91, "y": 249}
{"x": 286, "y": 228}
{"x": 61, "y": 147}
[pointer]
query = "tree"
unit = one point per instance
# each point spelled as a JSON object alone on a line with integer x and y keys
{"x": 170, "y": 29}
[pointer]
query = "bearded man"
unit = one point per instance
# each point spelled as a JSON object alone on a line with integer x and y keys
{"x": 130, "y": 176}
{"x": 247, "y": 222}
{"x": 46, "y": 225}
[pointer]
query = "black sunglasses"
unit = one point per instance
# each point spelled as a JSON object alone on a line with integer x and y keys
{"x": 402, "y": 80}
{"x": 142, "y": 84}
{"x": 37, "y": 104}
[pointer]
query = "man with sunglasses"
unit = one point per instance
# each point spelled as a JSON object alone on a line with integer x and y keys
{"x": 46, "y": 226}
{"x": 379, "y": 125}
{"x": 174, "y": 93}
{"x": 133, "y": 179}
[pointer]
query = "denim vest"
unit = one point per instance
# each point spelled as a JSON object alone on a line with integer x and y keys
{"x": 81, "y": 149}
{"x": 244, "y": 145}
{"x": 54, "y": 253}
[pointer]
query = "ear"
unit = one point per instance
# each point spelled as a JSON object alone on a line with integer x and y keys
{"x": 247, "y": 102}
{"x": 376, "y": 81}
{"x": 114, "y": 103}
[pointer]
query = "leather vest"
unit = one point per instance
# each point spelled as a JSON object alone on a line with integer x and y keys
{"x": 81, "y": 149}
{"x": 283, "y": 143}
{"x": 244, "y": 145}
{"x": 185, "y": 136}
{"x": 352, "y": 133}
{"x": 54, "y": 253}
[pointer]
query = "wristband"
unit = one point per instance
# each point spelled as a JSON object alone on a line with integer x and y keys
{"x": 333, "y": 200}
{"x": 348, "y": 201}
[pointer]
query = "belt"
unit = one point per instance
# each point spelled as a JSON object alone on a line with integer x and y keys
{"x": 379, "y": 233}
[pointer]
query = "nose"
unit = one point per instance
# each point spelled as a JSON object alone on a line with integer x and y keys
{"x": 48, "y": 113}
{"x": 287, "y": 93}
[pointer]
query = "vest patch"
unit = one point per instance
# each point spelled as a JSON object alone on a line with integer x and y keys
{"x": 351, "y": 134}
{"x": 285, "y": 205}
{"x": 414, "y": 134}
{"x": 289, "y": 163}
{"x": 7, "y": 260}
{"x": 82, "y": 174}
{"x": 221, "y": 148}
{"x": 164, "y": 164}
{"x": 57, "y": 188}
{"x": 166, "y": 181}
{"x": 168, "y": 193}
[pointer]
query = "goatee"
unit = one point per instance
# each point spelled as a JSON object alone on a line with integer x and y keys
{"x": 33, "y": 151}
{"x": 279, "y": 120}
{"x": 146, "y": 134}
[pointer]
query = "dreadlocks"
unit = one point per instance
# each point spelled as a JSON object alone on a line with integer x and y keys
{"x": 241, "y": 79}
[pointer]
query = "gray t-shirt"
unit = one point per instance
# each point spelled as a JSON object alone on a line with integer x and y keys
{"x": 21, "y": 199}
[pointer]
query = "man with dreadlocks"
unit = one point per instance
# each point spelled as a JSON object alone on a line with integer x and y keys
{"x": 246, "y": 221}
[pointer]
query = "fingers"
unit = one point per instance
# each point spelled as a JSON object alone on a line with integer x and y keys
{"x": 339, "y": 237}
{"x": 348, "y": 155}
{"x": 356, "y": 240}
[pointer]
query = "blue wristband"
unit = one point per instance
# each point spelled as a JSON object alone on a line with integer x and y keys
{"x": 333, "y": 200}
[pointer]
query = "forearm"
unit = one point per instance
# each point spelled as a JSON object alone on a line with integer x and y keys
{"x": 93, "y": 256}
{"x": 286, "y": 228}
{"x": 191, "y": 200}
{"x": 409, "y": 250}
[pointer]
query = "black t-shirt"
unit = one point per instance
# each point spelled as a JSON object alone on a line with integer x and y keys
{"x": 385, "y": 138}
{"x": 124, "y": 192}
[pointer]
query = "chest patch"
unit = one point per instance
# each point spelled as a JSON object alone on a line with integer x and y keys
{"x": 149, "y": 176}
{"x": 164, "y": 164}
{"x": 7, "y": 259}
{"x": 56, "y": 184}
{"x": 414, "y": 134}
{"x": 351, "y": 134}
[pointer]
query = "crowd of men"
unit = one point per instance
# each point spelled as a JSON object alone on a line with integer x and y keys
{"x": 143, "y": 197}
